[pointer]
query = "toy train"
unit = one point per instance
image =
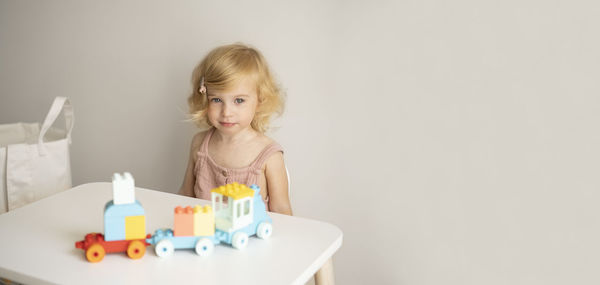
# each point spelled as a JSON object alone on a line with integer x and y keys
{"x": 199, "y": 228}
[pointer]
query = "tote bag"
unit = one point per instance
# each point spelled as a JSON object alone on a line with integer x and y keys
{"x": 34, "y": 161}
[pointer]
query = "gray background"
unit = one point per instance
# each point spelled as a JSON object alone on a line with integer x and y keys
{"x": 454, "y": 142}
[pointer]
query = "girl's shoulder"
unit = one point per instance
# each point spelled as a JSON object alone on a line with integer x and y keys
{"x": 199, "y": 137}
{"x": 262, "y": 146}
{"x": 197, "y": 142}
{"x": 264, "y": 140}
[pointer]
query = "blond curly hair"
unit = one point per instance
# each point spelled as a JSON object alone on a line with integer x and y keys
{"x": 221, "y": 69}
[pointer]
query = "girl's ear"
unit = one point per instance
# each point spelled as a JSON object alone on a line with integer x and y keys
{"x": 258, "y": 102}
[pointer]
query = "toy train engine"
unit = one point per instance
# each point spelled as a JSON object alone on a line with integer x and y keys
{"x": 244, "y": 215}
{"x": 124, "y": 224}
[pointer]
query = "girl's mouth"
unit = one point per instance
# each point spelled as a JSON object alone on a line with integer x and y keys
{"x": 226, "y": 124}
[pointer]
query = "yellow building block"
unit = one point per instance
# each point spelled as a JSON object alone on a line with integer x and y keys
{"x": 204, "y": 221}
{"x": 234, "y": 190}
{"x": 135, "y": 227}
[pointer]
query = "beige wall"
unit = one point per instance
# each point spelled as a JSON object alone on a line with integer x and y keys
{"x": 454, "y": 142}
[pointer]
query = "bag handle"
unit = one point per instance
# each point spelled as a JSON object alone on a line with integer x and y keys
{"x": 60, "y": 103}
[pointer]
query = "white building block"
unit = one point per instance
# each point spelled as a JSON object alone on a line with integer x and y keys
{"x": 123, "y": 188}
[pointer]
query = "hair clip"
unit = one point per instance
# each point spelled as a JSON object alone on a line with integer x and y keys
{"x": 202, "y": 88}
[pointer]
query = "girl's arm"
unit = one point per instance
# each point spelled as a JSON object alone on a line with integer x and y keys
{"x": 187, "y": 187}
{"x": 277, "y": 185}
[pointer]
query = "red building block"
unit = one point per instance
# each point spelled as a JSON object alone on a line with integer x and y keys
{"x": 96, "y": 247}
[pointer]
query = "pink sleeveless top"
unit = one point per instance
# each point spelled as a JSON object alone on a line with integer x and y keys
{"x": 210, "y": 175}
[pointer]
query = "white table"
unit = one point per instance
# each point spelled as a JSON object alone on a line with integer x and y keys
{"x": 37, "y": 245}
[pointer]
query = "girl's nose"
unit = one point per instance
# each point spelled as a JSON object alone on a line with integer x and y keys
{"x": 227, "y": 110}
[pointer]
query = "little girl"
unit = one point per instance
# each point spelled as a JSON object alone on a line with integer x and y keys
{"x": 234, "y": 96}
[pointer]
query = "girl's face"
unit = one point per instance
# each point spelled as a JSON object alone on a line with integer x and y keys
{"x": 233, "y": 110}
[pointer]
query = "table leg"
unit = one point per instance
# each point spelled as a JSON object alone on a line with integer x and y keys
{"x": 325, "y": 275}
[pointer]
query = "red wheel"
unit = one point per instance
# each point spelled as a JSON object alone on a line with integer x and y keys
{"x": 136, "y": 249}
{"x": 95, "y": 253}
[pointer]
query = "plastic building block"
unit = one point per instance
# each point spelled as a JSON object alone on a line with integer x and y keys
{"x": 123, "y": 210}
{"x": 135, "y": 227}
{"x": 123, "y": 188}
{"x": 242, "y": 212}
{"x": 95, "y": 247}
{"x": 222, "y": 212}
{"x": 184, "y": 221}
{"x": 184, "y": 242}
{"x": 165, "y": 242}
{"x": 260, "y": 210}
{"x": 234, "y": 190}
{"x": 236, "y": 214}
{"x": 204, "y": 221}
{"x": 114, "y": 219}
{"x": 240, "y": 218}
{"x": 124, "y": 224}
{"x": 159, "y": 235}
{"x": 114, "y": 228}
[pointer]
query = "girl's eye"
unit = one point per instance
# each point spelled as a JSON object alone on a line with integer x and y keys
{"x": 215, "y": 100}
{"x": 239, "y": 100}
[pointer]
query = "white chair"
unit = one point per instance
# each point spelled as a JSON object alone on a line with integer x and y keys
{"x": 289, "y": 184}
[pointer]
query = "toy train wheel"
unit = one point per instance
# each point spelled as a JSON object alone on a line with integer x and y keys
{"x": 95, "y": 253}
{"x": 204, "y": 247}
{"x": 239, "y": 240}
{"x": 264, "y": 230}
{"x": 164, "y": 248}
{"x": 136, "y": 249}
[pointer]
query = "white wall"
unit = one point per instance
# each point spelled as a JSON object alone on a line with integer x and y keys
{"x": 454, "y": 142}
